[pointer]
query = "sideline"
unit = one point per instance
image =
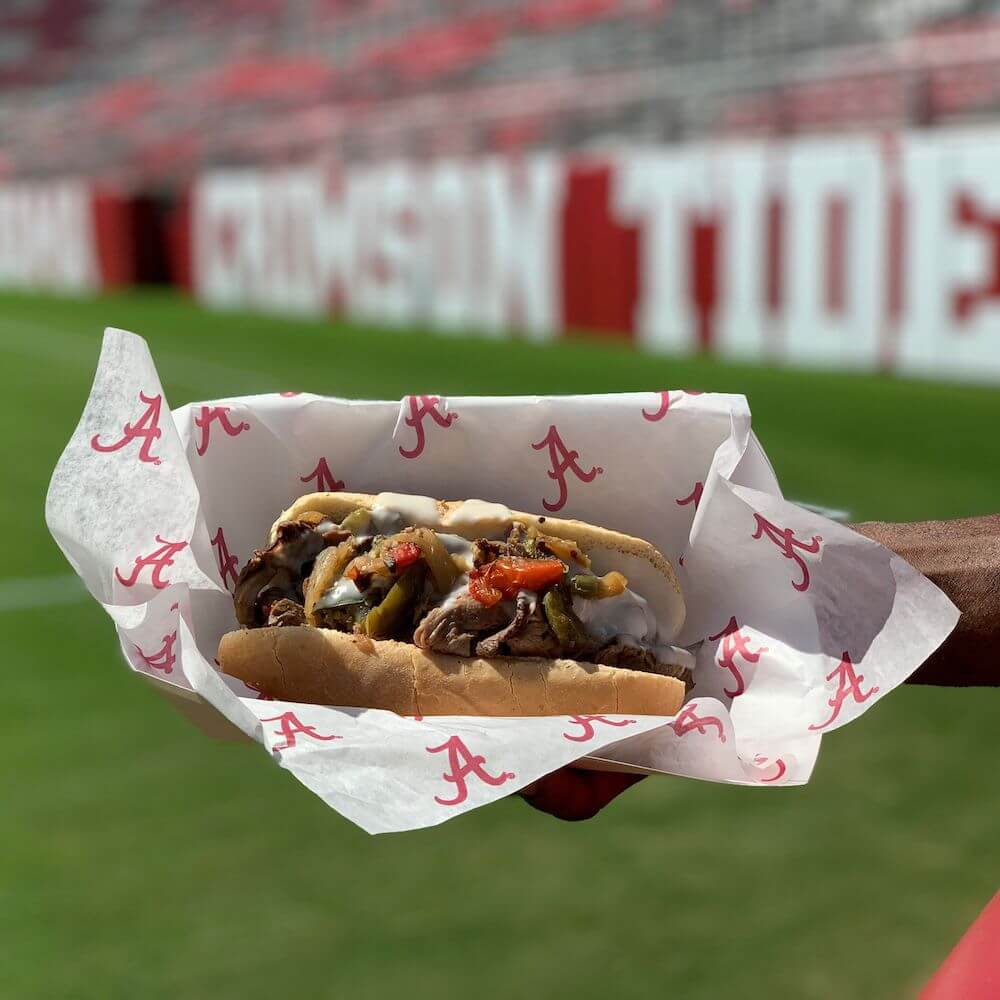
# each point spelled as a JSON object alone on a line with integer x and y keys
{"x": 26, "y": 593}
{"x": 51, "y": 343}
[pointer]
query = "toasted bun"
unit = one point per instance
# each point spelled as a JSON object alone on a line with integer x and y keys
{"x": 324, "y": 667}
{"x": 649, "y": 573}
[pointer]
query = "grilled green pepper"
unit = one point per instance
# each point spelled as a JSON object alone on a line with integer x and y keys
{"x": 357, "y": 522}
{"x": 558, "y": 609}
{"x": 593, "y": 587}
{"x": 385, "y": 618}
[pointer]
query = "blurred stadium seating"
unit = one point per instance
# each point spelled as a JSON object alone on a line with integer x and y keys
{"x": 143, "y": 92}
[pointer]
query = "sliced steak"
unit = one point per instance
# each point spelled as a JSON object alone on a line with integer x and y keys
{"x": 519, "y": 544}
{"x": 286, "y": 612}
{"x": 455, "y": 628}
{"x": 342, "y": 619}
{"x": 493, "y": 645}
{"x": 485, "y": 551}
{"x": 425, "y": 600}
{"x": 535, "y": 638}
{"x": 622, "y": 654}
{"x": 276, "y": 572}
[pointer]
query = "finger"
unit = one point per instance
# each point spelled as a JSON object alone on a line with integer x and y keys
{"x": 573, "y": 794}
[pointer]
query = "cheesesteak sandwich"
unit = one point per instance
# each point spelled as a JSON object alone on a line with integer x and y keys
{"x": 427, "y": 607}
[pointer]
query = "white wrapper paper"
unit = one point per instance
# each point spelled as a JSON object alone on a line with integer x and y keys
{"x": 799, "y": 624}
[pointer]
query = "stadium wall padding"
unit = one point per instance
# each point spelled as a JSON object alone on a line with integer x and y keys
{"x": 66, "y": 236}
{"x": 854, "y": 252}
{"x": 114, "y": 238}
{"x": 869, "y": 252}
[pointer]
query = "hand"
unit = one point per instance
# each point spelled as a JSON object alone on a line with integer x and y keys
{"x": 963, "y": 559}
{"x": 574, "y": 794}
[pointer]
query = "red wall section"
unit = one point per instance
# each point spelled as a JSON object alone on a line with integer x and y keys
{"x": 600, "y": 256}
{"x": 114, "y": 238}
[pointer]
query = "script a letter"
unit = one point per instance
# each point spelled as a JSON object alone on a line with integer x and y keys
{"x": 562, "y": 460}
{"x": 848, "y": 686}
{"x": 461, "y": 764}
{"x": 289, "y": 726}
{"x": 735, "y": 643}
{"x": 145, "y": 428}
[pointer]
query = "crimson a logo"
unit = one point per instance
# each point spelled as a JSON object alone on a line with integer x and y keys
{"x": 688, "y": 720}
{"x": 422, "y": 407}
{"x": 162, "y": 659}
{"x": 693, "y": 497}
{"x": 290, "y": 728}
{"x": 562, "y": 461}
{"x": 463, "y": 764}
{"x": 848, "y": 686}
{"x": 145, "y": 429}
{"x": 228, "y": 563}
{"x": 209, "y": 415}
{"x": 326, "y": 481}
{"x": 586, "y": 724}
{"x": 667, "y": 401}
{"x": 156, "y": 562}
{"x": 787, "y": 543}
{"x": 734, "y": 644}
{"x": 780, "y": 768}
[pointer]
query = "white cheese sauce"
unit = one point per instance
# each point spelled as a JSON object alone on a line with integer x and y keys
{"x": 392, "y": 511}
{"x": 484, "y": 517}
{"x": 677, "y": 655}
{"x": 532, "y": 599}
{"x": 627, "y": 614}
{"x": 629, "y": 619}
{"x": 343, "y": 592}
{"x": 459, "y": 548}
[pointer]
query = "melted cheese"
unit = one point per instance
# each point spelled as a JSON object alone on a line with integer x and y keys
{"x": 629, "y": 618}
{"x": 459, "y": 548}
{"x": 479, "y": 515}
{"x": 392, "y": 511}
{"x": 343, "y": 592}
{"x": 676, "y": 655}
{"x": 627, "y": 614}
{"x": 532, "y": 598}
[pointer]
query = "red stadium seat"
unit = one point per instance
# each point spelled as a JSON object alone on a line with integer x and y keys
{"x": 124, "y": 101}
{"x": 252, "y": 79}
{"x": 559, "y": 15}
{"x": 112, "y": 82}
{"x": 438, "y": 52}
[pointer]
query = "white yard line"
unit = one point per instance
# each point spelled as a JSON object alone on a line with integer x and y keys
{"x": 28, "y": 592}
{"x": 56, "y": 344}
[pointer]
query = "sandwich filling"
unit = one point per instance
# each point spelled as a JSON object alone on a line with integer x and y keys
{"x": 525, "y": 594}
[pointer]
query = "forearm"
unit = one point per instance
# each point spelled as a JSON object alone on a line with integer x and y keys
{"x": 963, "y": 559}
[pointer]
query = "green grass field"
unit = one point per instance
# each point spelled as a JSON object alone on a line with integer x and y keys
{"x": 138, "y": 859}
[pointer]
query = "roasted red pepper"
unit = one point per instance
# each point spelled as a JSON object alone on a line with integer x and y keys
{"x": 505, "y": 576}
{"x": 401, "y": 556}
{"x": 391, "y": 562}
